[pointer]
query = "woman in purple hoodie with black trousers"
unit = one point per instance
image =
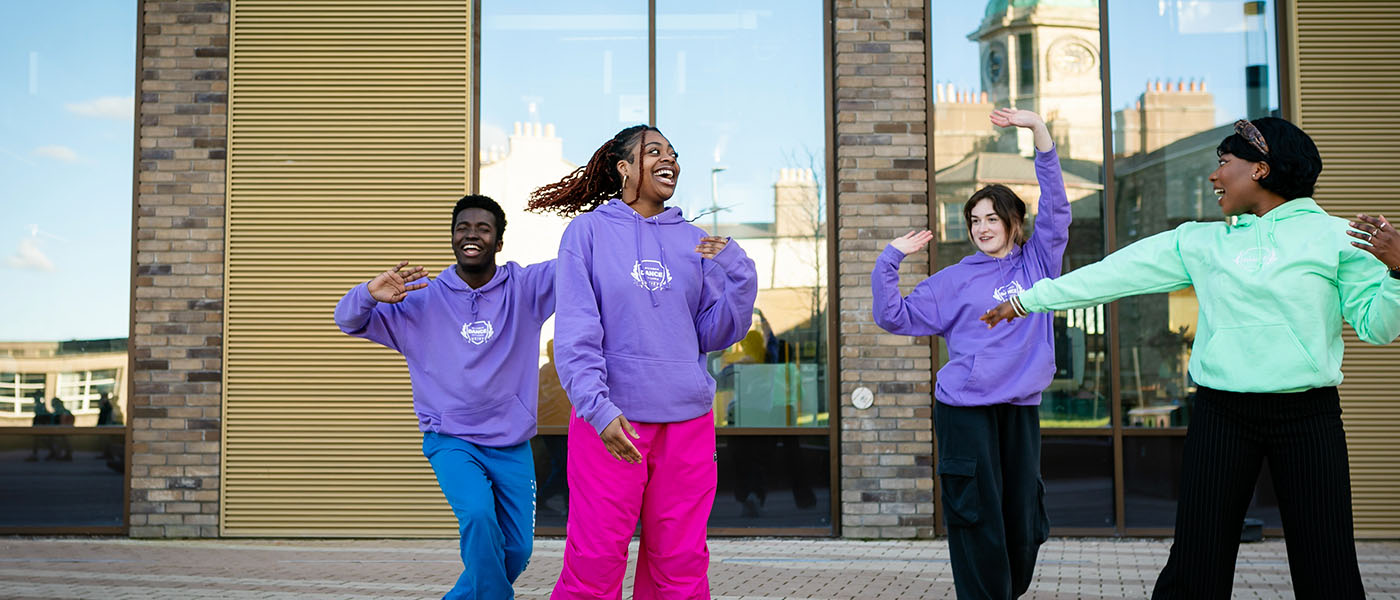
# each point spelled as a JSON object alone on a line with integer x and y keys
{"x": 643, "y": 296}
{"x": 986, "y": 414}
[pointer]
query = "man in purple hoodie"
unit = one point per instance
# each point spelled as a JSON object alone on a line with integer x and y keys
{"x": 472, "y": 341}
{"x": 986, "y": 415}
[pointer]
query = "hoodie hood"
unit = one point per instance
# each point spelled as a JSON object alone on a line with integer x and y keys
{"x": 650, "y": 270}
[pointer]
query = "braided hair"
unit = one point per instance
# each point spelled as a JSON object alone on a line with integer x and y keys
{"x": 589, "y": 186}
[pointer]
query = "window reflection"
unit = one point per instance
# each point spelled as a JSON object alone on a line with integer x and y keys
{"x": 1205, "y": 64}
{"x": 66, "y": 479}
{"x": 1152, "y": 482}
{"x": 1078, "y": 474}
{"x": 1042, "y": 57}
{"x": 773, "y": 481}
{"x": 741, "y": 88}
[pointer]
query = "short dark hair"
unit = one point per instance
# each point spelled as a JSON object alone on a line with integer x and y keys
{"x": 485, "y": 202}
{"x": 1294, "y": 162}
{"x": 1006, "y": 204}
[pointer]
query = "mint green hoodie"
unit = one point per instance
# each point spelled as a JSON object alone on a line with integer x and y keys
{"x": 1272, "y": 291}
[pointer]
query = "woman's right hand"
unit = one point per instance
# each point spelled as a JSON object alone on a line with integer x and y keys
{"x": 392, "y": 285}
{"x": 999, "y": 313}
{"x": 615, "y": 439}
{"x": 912, "y": 242}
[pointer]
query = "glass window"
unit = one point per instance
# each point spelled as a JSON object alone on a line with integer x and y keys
{"x": 1182, "y": 73}
{"x": 61, "y": 480}
{"x": 557, "y": 80}
{"x": 17, "y": 393}
{"x": 972, "y": 76}
{"x": 1152, "y": 482}
{"x": 773, "y": 481}
{"x": 65, "y": 240}
{"x": 1078, "y": 474}
{"x": 739, "y": 92}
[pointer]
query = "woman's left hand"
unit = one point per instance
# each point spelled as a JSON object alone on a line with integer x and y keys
{"x": 710, "y": 245}
{"x": 1380, "y": 236}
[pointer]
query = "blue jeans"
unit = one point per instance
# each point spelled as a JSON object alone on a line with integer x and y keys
{"x": 492, "y": 493}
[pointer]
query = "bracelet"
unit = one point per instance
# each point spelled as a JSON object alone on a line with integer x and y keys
{"x": 1016, "y": 306}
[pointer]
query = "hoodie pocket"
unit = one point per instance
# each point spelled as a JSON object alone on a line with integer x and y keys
{"x": 635, "y": 381}
{"x": 962, "y": 501}
{"x": 491, "y": 421}
{"x": 1272, "y": 349}
{"x": 994, "y": 370}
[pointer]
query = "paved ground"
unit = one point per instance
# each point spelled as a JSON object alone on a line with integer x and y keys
{"x": 742, "y": 569}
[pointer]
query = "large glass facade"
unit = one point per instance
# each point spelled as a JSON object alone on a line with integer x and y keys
{"x": 739, "y": 91}
{"x": 1182, "y": 74}
{"x": 1177, "y": 75}
{"x": 65, "y": 239}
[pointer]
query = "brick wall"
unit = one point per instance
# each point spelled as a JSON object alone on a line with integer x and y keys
{"x": 881, "y": 162}
{"x": 177, "y": 338}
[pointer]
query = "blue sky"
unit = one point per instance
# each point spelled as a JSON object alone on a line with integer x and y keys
{"x": 66, "y": 80}
{"x": 738, "y": 87}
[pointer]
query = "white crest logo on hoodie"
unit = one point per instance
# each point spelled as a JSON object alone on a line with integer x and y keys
{"x": 1256, "y": 257}
{"x": 477, "y": 332}
{"x": 651, "y": 275}
{"x": 1005, "y": 292}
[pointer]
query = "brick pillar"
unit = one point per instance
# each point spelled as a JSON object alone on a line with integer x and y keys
{"x": 882, "y": 179}
{"x": 177, "y": 340}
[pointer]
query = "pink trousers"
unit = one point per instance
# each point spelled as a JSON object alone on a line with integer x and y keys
{"x": 672, "y": 490}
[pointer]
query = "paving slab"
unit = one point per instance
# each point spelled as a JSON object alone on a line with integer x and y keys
{"x": 740, "y": 569}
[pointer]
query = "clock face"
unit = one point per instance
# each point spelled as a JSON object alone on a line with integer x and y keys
{"x": 1072, "y": 56}
{"x": 995, "y": 64}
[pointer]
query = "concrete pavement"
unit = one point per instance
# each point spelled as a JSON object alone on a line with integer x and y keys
{"x": 747, "y": 569}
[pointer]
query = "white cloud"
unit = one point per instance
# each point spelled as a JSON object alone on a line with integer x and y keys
{"x": 29, "y": 256}
{"x": 63, "y": 153}
{"x": 106, "y": 107}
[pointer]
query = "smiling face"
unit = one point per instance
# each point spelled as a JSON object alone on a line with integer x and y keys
{"x": 475, "y": 240}
{"x": 654, "y": 176}
{"x": 989, "y": 232}
{"x": 1236, "y": 183}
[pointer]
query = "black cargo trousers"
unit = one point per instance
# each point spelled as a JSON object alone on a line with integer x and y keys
{"x": 993, "y": 497}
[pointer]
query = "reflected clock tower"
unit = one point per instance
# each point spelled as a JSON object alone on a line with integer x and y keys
{"x": 1043, "y": 55}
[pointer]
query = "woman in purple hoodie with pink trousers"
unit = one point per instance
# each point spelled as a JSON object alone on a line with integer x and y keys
{"x": 986, "y": 414}
{"x": 643, "y": 295}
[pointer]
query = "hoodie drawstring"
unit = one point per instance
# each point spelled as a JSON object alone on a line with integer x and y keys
{"x": 637, "y": 238}
{"x": 473, "y": 296}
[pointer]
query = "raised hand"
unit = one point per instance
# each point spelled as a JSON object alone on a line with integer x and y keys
{"x": 998, "y": 313}
{"x": 392, "y": 285}
{"x": 912, "y": 242}
{"x": 1009, "y": 117}
{"x": 1380, "y": 236}
{"x": 710, "y": 245}
{"x": 615, "y": 439}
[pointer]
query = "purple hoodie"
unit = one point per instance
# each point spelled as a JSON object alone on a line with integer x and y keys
{"x": 473, "y": 354}
{"x": 1011, "y": 363}
{"x": 638, "y": 310}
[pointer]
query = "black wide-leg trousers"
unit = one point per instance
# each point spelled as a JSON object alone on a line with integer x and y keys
{"x": 993, "y": 497}
{"x": 1229, "y": 436}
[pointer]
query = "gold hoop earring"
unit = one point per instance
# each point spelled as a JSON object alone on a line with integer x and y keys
{"x": 623, "y": 187}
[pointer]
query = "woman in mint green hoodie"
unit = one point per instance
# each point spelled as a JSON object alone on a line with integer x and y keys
{"x": 1274, "y": 284}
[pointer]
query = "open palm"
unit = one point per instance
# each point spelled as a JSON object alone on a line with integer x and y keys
{"x": 912, "y": 242}
{"x": 392, "y": 285}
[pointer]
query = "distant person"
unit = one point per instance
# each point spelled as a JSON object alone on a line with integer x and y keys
{"x": 471, "y": 338}
{"x": 643, "y": 296}
{"x": 62, "y": 445}
{"x": 104, "y": 410}
{"x": 1275, "y": 283}
{"x": 986, "y": 414}
{"x": 42, "y": 418}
